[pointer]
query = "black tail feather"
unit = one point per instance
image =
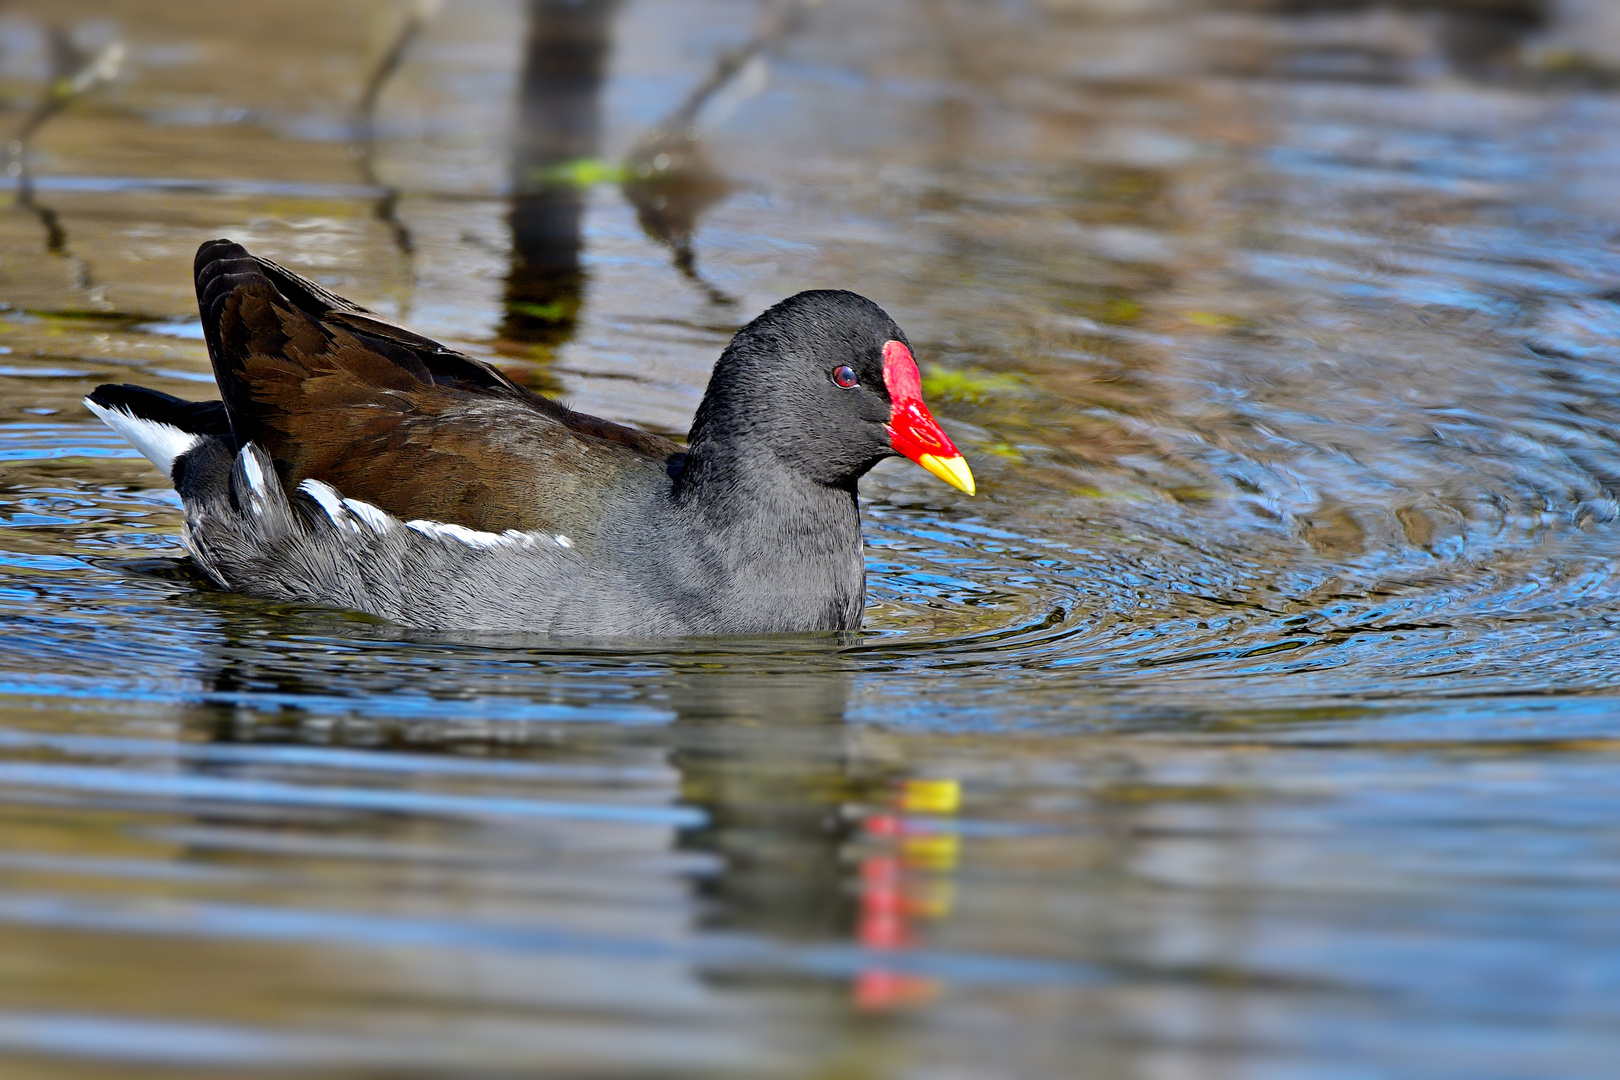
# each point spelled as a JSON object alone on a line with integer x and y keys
{"x": 197, "y": 417}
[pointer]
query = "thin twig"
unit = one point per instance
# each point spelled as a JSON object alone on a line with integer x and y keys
{"x": 365, "y": 114}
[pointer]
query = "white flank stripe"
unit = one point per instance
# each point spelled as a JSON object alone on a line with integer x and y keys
{"x": 255, "y": 475}
{"x": 443, "y": 530}
{"x": 257, "y": 492}
{"x": 158, "y": 443}
{"x": 328, "y": 498}
{"x": 343, "y": 513}
{"x": 375, "y": 516}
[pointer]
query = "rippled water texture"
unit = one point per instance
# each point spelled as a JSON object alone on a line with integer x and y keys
{"x": 1257, "y": 720}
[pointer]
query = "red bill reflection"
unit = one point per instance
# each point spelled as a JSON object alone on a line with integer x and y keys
{"x": 906, "y": 881}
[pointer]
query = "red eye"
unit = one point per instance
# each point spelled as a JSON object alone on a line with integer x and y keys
{"x": 844, "y": 376}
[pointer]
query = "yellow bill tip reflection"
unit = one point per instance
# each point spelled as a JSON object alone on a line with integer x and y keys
{"x": 919, "y": 796}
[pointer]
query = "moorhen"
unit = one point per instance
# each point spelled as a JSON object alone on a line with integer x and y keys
{"x": 355, "y": 464}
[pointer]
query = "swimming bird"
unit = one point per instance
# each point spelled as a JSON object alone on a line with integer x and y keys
{"x": 353, "y": 463}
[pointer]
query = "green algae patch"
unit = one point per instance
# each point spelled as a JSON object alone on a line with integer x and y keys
{"x": 581, "y": 172}
{"x": 971, "y": 387}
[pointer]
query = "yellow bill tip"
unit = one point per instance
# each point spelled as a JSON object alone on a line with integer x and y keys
{"x": 953, "y": 470}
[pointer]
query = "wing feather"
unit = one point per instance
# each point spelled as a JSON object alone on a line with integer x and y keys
{"x": 338, "y": 394}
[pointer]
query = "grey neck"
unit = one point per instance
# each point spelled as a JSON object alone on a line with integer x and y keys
{"x": 781, "y": 551}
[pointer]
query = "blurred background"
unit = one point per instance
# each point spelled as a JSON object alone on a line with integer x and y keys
{"x": 530, "y": 180}
{"x": 1257, "y": 720}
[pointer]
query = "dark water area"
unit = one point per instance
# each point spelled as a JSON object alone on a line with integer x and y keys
{"x": 1259, "y": 719}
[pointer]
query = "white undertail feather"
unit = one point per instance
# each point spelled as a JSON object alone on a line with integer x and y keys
{"x": 158, "y": 443}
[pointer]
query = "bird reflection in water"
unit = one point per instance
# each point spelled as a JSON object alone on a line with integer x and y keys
{"x": 905, "y": 882}
{"x": 818, "y": 838}
{"x": 815, "y": 832}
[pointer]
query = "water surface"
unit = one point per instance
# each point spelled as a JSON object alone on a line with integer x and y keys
{"x": 1257, "y": 720}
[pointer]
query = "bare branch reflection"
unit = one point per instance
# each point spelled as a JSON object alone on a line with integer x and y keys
{"x": 73, "y": 74}
{"x": 667, "y": 176}
{"x": 386, "y": 208}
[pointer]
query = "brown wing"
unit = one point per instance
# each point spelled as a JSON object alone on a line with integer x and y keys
{"x": 334, "y": 392}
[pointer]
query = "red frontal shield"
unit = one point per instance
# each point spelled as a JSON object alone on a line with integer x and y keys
{"x": 913, "y": 431}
